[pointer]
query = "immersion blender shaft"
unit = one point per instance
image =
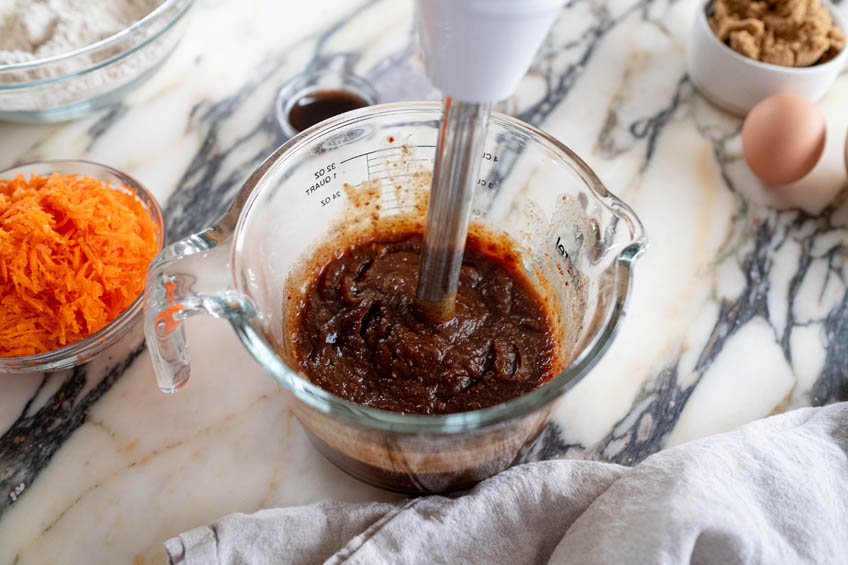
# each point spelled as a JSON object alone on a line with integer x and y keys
{"x": 458, "y": 151}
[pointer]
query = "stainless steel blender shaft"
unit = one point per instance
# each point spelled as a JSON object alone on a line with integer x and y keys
{"x": 461, "y": 141}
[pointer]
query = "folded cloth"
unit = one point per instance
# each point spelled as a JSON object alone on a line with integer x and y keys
{"x": 774, "y": 491}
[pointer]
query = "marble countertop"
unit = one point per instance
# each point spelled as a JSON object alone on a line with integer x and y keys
{"x": 739, "y": 309}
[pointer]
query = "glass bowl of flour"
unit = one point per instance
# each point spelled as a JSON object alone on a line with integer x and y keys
{"x": 61, "y": 59}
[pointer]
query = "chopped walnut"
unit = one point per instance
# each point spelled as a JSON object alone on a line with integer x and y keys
{"x": 791, "y": 33}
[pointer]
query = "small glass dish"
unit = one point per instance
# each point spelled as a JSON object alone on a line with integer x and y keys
{"x": 312, "y": 82}
{"x": 116, "y": 332}
{"x": 73, "y": 84}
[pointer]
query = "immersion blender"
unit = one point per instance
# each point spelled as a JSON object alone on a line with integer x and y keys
{"x": 475, "y": 52}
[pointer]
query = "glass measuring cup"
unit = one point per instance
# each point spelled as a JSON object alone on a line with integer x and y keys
{"x": 577, "y": 241}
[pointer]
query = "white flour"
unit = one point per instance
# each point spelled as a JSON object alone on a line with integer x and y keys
{"x": 36, "y": 29}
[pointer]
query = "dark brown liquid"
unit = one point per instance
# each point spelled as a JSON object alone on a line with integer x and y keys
{"x": 358, "y": 336}
{"x": 322, "y": 104}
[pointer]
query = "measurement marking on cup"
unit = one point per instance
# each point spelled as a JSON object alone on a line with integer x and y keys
{"x": 392, "y": 176}
{"x": 376, "y": 169}
{"x": 483, "y": 181}
{"x": 333, "y": 196}
{"x": 381, "y": 165}
{"x": 561, "y": 248}
{"x": 384, "y": 150}
{"x": 323, "y": 176}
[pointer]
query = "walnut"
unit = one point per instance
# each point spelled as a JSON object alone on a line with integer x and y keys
{"x": 791, "y": 33}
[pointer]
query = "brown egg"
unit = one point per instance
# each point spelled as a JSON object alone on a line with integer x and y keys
{"x": 783, "y": 138}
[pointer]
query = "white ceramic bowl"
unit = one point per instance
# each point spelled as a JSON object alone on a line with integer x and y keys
{"x": 736, "y": 83}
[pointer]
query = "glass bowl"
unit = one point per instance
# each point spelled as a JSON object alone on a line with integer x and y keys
{"x": 73, "y": 84}
{"x": 117, "y": 332}
{"x": 356, "y": 171}
{"x": 312, "y": 82}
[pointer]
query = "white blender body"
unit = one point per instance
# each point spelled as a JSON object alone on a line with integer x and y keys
{"x": 478, "y": 50}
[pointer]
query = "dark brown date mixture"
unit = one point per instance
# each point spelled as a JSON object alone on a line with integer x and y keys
{"x": 357, "y": 334}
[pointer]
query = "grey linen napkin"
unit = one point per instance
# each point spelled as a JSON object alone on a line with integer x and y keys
{"x": 774, "y": 491}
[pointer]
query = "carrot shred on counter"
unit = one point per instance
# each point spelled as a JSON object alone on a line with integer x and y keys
{"x": 73, "y": 256}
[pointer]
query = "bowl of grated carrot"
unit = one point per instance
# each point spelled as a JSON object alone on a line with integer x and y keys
{"x": 76, "y": 238}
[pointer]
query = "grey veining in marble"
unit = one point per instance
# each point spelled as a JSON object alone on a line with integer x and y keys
{"x": 740, "y": 308}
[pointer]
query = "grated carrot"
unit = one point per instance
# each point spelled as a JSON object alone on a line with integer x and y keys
{"x": 73, "y": 256}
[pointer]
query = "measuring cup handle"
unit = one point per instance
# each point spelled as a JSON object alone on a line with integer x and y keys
{"x": 189, "y": 277}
